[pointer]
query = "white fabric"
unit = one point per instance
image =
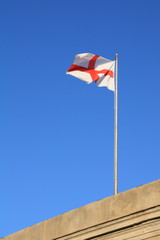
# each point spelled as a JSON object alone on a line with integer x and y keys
{"x": 101, "y": 63}
{"x": 83, "y": 59}
{"x": 105, "y": 81}
{"x": 86, "y": 77}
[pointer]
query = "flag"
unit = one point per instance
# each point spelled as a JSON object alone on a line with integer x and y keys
{"x": 93, "y": 68}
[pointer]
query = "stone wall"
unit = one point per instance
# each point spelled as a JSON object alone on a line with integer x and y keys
{"x": 134, "y": 214}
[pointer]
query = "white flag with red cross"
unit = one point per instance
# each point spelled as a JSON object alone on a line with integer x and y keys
{"x": 93, "y": 68}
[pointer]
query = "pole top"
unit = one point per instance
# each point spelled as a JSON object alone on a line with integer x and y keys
{"x": 116, "y": 55}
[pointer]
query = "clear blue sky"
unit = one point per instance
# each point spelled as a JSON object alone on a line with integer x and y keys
{"x": 56, "y": 132}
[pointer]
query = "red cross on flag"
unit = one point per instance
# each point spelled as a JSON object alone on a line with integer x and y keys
{"x": 93, "y": 68}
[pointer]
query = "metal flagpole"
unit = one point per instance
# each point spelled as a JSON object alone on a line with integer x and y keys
{"x": 116, "y": 128}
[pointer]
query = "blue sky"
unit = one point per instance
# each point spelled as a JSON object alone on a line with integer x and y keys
{"x": 56, "y": 131}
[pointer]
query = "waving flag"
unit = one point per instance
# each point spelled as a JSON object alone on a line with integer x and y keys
{"x": 93, "y": 68}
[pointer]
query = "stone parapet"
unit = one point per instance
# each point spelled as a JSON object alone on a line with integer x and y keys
{"x": 134, "y": 214}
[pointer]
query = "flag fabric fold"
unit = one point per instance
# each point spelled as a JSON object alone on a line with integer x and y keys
{"x": 93, "y": 68}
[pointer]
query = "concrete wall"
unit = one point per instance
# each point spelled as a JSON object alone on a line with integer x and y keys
{"x": 134, "y": 214}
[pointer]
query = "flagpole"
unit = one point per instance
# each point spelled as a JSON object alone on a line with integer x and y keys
{"x": 116, "y": 128}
